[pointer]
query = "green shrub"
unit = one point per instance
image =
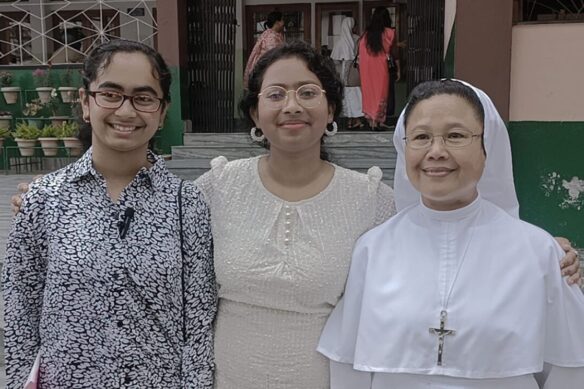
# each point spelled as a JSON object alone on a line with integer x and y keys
{"x": 49, "y": 131}
{"x": 68, "y": 130}
{"x": 25, "y": 131}
{"x": 4, "y": 133}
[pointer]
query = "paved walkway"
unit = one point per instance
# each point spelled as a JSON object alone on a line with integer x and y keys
{"x": 8, "y": 185}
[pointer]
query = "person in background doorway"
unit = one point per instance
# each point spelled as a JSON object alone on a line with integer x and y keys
{"x": 374, "y": 49}
{"x": 343, "y": 54}
{"x": 272, "y": 37}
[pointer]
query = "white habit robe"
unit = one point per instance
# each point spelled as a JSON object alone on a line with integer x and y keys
{"x": 508, "y": 305}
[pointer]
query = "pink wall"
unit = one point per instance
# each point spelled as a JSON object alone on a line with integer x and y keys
{"x": 547, "y": 72}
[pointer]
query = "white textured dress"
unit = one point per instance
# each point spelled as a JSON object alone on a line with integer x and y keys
{"x": 281, "y": 268}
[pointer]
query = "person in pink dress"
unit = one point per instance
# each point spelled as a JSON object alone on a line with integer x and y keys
{"x": 272, "y": 37}
{"x": 374, "y": 48}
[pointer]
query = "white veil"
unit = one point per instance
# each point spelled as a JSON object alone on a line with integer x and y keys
{"x": 496, "y": 183}
{"x": 344, "y": 48}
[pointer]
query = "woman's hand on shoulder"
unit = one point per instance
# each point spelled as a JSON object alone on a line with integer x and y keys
{"x": 16, "y": 200}
{"x": 570, "y": 264}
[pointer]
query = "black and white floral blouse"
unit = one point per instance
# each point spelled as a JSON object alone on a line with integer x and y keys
{"x": 106, "y": 311}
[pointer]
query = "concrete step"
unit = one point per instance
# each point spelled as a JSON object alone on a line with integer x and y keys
{"x": 355, "y": 150}
{"x": 242, "y": 139}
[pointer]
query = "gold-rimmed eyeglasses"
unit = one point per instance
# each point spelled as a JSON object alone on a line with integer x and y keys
{"x": 276, "y": 97}
{"x": 453, "y": 139}
{"x": 114, "y": 100}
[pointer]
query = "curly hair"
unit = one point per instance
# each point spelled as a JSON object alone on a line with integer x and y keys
{"x": 321, "y": 66}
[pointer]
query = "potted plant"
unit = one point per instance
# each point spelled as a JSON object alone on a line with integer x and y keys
{"x": 5, "y": 119}
{"x": 4, "y": 133}
{"x": 49, "y": 140}
{"x": 68, "y": 134}
{"x": 34, "y": 112}
{"x": 42, "y": 81}
{"x": 10, "y": 92}
{"x": 26, "y": 137}
{"x": 58, "y": 109}
{"x": 68, "y": 92}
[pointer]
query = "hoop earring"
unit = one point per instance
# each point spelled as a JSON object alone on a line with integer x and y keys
{"x": 333, "y": 131}
{"x": 254, "y": 135}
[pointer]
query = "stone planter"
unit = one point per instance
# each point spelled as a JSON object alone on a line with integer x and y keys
{"x": 73, "y": 146}
{"x": 44, "y": 93}
{"x": 50, "y": 146}
{"x": 10, "y": 94}
{"x": 57, "y": 121}
{"x": 5, "y": 122}
{"x": 67, "y": 93}
{"x": 26, "y": 146}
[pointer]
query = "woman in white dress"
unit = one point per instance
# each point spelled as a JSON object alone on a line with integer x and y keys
{"x": 343, "y": 54}
{"x": 284, "y": 225}
{"x": 455, "y": 291}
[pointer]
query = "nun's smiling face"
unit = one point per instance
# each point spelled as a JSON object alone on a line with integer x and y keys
{"x": 447, "y": 171}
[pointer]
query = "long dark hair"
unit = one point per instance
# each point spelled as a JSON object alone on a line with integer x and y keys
{"x": 380, "y": 20}
{"x": 100, "y": 58}
{"x": 321, "y": 66}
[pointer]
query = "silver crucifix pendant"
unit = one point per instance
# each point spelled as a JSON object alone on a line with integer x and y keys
{"x": 441, "y": 332}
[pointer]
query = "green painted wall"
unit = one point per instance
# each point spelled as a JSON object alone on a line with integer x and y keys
{"x": 548, "y": 167}
{"x": 173, "y": 131}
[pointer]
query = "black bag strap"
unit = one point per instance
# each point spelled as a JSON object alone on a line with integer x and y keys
{"x": 182, "y": 254}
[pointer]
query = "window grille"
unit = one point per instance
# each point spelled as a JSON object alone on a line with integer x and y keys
{"x": 549, "y": 11}
{"x": 42, "y": 32}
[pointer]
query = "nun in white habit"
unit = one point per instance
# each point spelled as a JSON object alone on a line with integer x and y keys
{"x": 455, "y": 291}
{"x": 343, "y": 54}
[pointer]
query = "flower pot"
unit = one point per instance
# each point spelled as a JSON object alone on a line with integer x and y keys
{"x": 73, "y": 146}
{"x": 50, "y": 146}
{"x": 67, "y": 93}
{"x": 58, "y": 121}
{"x": 10, "y": 94}
{"x": 37, "y": 122}
{"x": 26, "y": 146}
{"x": 44, "y": 93}
{"x": 5, "y": 122}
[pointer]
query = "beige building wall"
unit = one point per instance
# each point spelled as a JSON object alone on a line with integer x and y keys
{"x": 547, "y": 72}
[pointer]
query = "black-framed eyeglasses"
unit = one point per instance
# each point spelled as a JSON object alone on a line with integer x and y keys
{"x": 114, "y": 100}
{"x": 453, "y": 139}
{"x": 308, "y": 96}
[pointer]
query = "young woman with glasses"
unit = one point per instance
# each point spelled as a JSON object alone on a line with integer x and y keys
{"x": 100, "y": 287}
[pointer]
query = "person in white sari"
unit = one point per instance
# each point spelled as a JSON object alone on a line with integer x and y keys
{"x": 343, "y": 54}
{"x": 455, "y": 291}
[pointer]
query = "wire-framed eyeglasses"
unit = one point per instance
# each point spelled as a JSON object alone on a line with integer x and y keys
{"x": 114, "y": 100}
{"x": 276, "y": 97}
{"x": 453, "y": 139}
